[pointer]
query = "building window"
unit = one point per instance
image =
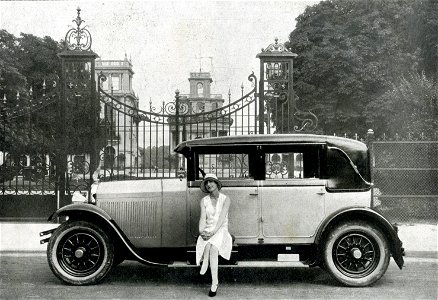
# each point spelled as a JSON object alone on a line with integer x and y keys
{"x": 105, "y": 84}
{"x": 115, "y": 81}
{"x": 79, "y": 164}
{"x": 109, "y": 155}
{"x": 200, "y": 89}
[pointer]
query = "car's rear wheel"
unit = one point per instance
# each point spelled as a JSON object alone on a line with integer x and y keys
{"x": 80, "y": 253}
{"x": 356, "y": 253}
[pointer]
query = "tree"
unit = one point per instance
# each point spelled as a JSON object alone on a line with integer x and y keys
{"x": 25, "y": 62}
{"x": 412, "y": 105}
{"x": 425, "y": 28}
{"x": 350, "y": 53}
{"x": 31, "y": 126}
{"x": 160, "y": 157}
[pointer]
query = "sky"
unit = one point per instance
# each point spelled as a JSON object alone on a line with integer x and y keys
{"x": 167, "y": 40}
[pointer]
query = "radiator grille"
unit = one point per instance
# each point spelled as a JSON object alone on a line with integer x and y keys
{"x": 137, "y": 219}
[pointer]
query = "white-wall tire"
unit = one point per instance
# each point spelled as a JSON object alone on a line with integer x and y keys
{"x": 356, "y": 253}
{"x": 80, "y": 253}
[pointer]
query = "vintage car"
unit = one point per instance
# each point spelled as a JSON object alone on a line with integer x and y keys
{"x": 296, "y": 197}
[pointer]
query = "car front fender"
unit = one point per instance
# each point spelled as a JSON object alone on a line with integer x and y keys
{"x": 92, "y": 213}
{"x": 78, "y": 208}
{"x": 372, "y": 216}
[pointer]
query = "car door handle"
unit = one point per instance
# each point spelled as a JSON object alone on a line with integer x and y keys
{"x": 254, "y": 194}
{"x": 321, "y": 193}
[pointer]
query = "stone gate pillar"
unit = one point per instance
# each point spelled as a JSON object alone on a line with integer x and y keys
{"x": 78, "y": 86}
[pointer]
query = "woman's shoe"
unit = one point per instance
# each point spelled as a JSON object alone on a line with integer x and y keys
{"x": 211, "y": 293}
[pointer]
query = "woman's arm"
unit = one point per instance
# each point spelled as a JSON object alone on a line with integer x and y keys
{"x": 202, "y": 218}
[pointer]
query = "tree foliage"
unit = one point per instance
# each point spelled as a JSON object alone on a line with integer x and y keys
{"x": 27, "y": 62}
{"x": 160, "y": 157}
{"x": 411, "y": 104}
{"x": 30, "y": 123}
{"x": 351, "y": 53}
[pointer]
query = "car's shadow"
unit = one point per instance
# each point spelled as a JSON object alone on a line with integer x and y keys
{"x": 135, "y": 272}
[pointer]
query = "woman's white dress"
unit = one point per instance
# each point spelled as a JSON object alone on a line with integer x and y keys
{"x": 222, "y": 238}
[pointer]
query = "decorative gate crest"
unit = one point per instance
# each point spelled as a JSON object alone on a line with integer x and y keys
{"x": 78, "y": 38}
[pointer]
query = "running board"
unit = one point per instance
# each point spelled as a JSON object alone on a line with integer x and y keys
{"x": 248, "y": 264}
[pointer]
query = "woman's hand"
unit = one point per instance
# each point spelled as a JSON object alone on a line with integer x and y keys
{"x": 206, "y": 235}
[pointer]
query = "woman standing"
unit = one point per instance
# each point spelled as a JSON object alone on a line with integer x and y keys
{"x": 214, "y": 238}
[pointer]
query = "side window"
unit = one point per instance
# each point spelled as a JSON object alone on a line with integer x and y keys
{"x": 300, "y": 163}
{"x": 290, "y": 165}
{"x": 284, "y": 165}
{"x": 225, "y": 165}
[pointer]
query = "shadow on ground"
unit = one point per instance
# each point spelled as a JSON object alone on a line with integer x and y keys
{"x": 134, "y": 272}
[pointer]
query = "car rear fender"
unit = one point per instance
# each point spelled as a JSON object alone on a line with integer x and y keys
{"x": 92, "y": 213}
{"x": 371, "y": 216}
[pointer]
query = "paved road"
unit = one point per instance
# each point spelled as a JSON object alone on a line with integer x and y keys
{"x": 29, "y": 276}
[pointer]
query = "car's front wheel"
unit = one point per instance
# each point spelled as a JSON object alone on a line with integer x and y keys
{"x": 80, "y": 253}
{"x": 356, "y": 253}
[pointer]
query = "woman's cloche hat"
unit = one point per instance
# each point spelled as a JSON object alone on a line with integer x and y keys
{"x": 210, "y": 177}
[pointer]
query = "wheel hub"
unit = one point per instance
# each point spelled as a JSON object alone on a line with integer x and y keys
{"x": 356, "y": 253}
{"x": 79, "y": 253}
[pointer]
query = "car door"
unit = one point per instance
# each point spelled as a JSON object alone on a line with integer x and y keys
{"x": 243, "y": 191}
{"x": 292, "y": 195}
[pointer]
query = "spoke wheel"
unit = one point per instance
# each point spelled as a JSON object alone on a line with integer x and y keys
{"x": 80, "y": 253}
{"x": 356, "y": 253}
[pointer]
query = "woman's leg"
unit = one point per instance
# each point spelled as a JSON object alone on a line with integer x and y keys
{"x": 205, "y": 259}
{"x": 214, "y": 262}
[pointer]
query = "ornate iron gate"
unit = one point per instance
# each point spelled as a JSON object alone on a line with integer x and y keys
{"x": 41, "y": 168}
{"x": 139, "y": 143}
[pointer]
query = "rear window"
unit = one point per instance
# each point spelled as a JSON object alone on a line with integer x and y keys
{"x": 341, "y": 174}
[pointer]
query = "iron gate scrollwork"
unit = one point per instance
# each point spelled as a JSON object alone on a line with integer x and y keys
{"x": 146, "y": 139}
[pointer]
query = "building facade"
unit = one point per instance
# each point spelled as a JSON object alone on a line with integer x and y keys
{"x": 121, "y": 150}
{"x": 200, "y": 100}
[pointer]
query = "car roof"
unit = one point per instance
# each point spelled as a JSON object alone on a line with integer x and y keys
{"x": 260, "y": 139}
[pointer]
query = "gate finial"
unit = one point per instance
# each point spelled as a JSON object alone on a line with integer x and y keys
{"x": 78, "y": 38}
{"x": 276, "y": 47}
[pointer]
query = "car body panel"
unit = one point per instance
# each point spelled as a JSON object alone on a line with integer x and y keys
{"x": 148, "y": 217}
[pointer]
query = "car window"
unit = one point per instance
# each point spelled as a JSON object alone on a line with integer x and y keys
{"x": 341, "y": 173}
{"x": 225, "y": 165}
{"x": 292, "y": 165}
{"x": 284, "y": 165}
